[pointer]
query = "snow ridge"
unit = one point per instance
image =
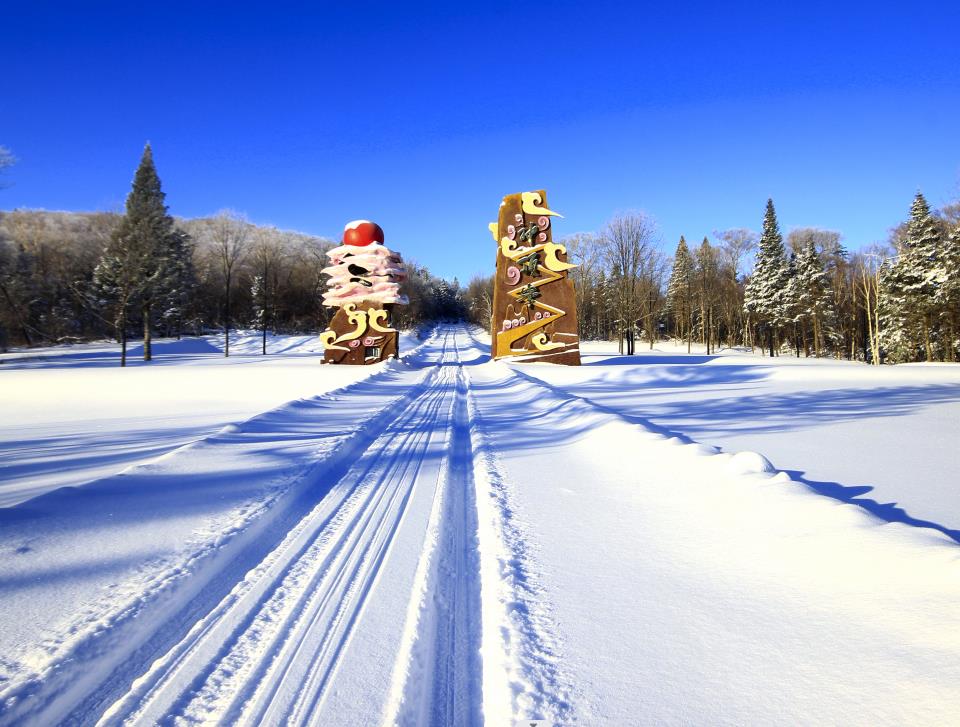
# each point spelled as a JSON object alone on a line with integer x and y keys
{"x": 522, "y": 655}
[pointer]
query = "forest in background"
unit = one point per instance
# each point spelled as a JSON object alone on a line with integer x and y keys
{"x": 75, "y": 276}
{"x": 895, "y": 301}
{"x": 48, "y": 261}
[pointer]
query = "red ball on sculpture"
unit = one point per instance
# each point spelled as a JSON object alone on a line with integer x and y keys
{"x": 361, "y": 233}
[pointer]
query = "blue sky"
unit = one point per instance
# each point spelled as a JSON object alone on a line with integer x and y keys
{"x": 421, "y": 116}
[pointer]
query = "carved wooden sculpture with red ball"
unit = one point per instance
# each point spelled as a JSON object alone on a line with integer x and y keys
{"x": 364, "y": 285}
{"x": 534, "y": 305}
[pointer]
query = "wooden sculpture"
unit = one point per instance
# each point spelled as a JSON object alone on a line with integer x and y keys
{"x": 534, "y": 307}
{"x": 364, "y": 285}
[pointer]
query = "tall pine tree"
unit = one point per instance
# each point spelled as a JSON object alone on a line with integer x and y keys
{"x": 907, "y": 303}
{"x": 708, "y": 287}
{"x": 680, "y": 291}
{"x": 948, "y": 295}
{"x": 764, "y": 295}
{"x": 144, "y": 258}
{"x": 812, "y": 296}
{"x": 181, "y": 281}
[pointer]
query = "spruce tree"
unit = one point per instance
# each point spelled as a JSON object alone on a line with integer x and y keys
{"x": 790, "y": 302}
{"x": 680, "y": 290}
{"x": 764, "y": 295}
{"x": 948, "y": 295}
{"x": 909, "y": 288}
{"x": 181, "y": 280}
{"x": 146, "y": 230}
{"x": 812, "y": 295}
{"x": 707, "y": 274}
{"x": 148, "y": 263}
{"x": 259, "y": 296}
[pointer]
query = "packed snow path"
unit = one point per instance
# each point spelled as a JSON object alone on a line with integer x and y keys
{"x": 375, "y": 583}
{"x": 453, "y": 541}
{"x": 309, "y": 636}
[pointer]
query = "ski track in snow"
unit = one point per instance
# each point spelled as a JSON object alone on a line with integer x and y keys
{"x": 270, "y": 650}
{"x": 416, "y": 525}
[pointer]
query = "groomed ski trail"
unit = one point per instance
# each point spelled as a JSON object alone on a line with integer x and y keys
{"x": 393, "y": 540}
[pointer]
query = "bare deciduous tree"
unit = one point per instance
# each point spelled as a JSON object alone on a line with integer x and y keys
{"x": 630, "y": 249}
{"x": 266, "y": 257}
{"x": 229, "y": 234}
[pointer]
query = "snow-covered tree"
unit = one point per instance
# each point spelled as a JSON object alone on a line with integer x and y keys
{"x": 229, "y": 233}
{"x": 810, "y": 294}
{"x": 707, "y": 288}
{"x": 909, "y": 288}
{"x": 948, "y": 295}
{"x": 181, "y": 282}
{"x": 764, "y": 295}
{"x": 680, "y": 291}
{"x": 140, "y": 261}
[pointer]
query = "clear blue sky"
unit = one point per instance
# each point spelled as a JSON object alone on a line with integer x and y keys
{"x": 421, "y": 116}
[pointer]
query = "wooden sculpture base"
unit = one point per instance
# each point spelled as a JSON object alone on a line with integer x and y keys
{"x": 356, "y": 335}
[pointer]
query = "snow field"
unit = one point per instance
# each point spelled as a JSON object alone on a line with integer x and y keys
{"x": 78, "y": 420}
{"x": 881, "y": 436}
{"x": 144, "y": 552}
{"x": 457, "y": 541}
{"x": 686, "y": 585}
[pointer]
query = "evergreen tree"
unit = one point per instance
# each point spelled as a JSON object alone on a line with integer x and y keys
{"x": 948, "y": 295}
{"x": 181, "y": 282}
{"x": 140, "y": 261}
{"x": 909, "y": 288}
{"x": 259, "y": 297}
{"x": 680, "y": 291}
{"x": 764, "y": 295}
{"x": 708, "y": 285}
{"x": 811, "y": 295}
{"x": 116, "y": 284}
{"x": 602, "y": 304}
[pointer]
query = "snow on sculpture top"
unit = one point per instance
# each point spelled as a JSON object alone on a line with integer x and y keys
{"x": 363, "y": 268}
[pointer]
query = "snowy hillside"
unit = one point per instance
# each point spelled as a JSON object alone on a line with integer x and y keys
{"x": 449, "y": 540}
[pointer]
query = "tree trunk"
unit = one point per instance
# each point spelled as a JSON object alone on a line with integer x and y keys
{"x": 816, "y": 335}
{"x": 147, "y": 343}
{"x": 770, "y": 339}
{"x": 707, "y": 329}
{"x": 123, "y": 340}
{"x": 226, "y": 324}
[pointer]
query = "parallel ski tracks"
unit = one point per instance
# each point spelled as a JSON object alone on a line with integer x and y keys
{"x": 351, "y": 575}
{"x": 267, "y": 653}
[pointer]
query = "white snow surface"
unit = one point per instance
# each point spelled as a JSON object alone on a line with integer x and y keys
{"x": 657, "y": 539}
{"x": 885, "y": 436}
{"x": 73, "y": 419}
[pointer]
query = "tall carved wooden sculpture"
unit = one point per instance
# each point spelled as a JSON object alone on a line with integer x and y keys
{"x": 364, "y": 284}
{"x": 534, "y": 307}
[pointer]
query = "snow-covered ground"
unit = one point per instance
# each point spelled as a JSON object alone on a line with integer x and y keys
{"x": 449, "y": 540}
{"x": 884, "y": 437}
{"x": 72, "y": 419}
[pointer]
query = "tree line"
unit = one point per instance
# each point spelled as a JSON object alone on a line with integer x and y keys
{"x": 78, "y": 276}
{"x": 895, "y": 301}
{"x": 68, "y": 277}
